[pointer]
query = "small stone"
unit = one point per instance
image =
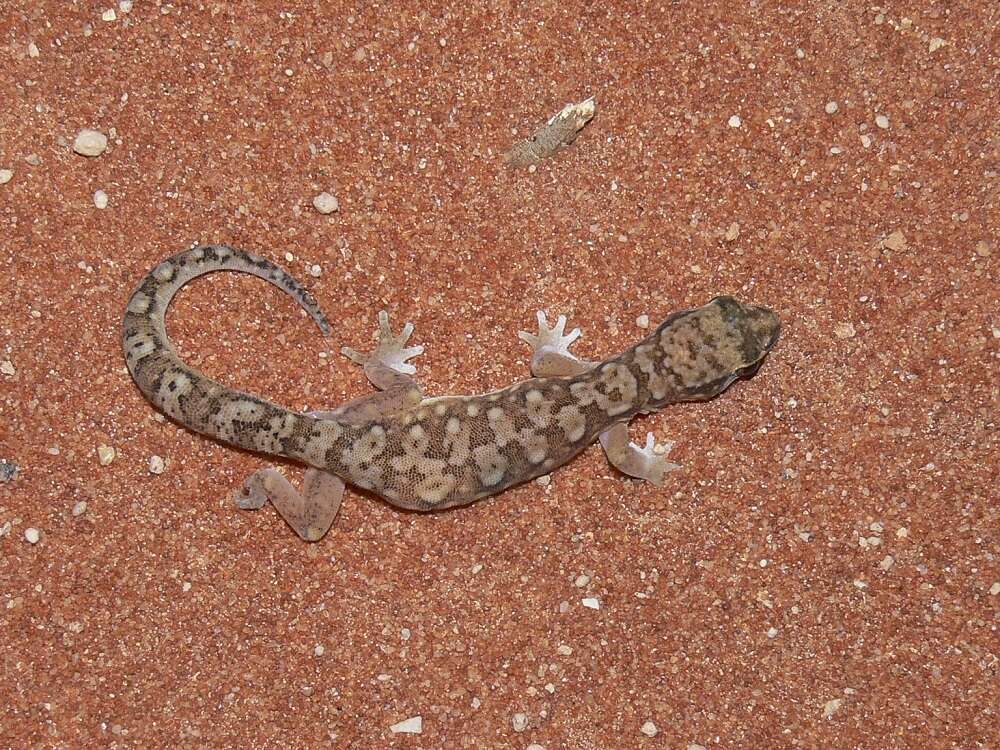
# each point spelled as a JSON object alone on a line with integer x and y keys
{"x": 413, "y": 725}
{"x": 844, "y": 330}
{"x": 995, "y": 588}
{"x": 404, "y": 634}
{"x": 535, "y": 746}
{"x": 886, "y": 563}
{"x": 733, "y": 232}
{"x": 983, "y": 249}
{"x": 90, "y": 143}
{"x": 831, "y": 707}
{"x": 642, "y": 321}
{"x": 6, "y": 175}
{"x": 80, "y": 508}
{"x": 32, "y": 535}
{"x": 8, "y": 471}
{"x": 735, "y": 121}
{"x": 125, "y": 6}
{"x": 319, "y": 650}
{"x": 519, "y": 722}
{"x": 866, "y": 140}
{"x": 902, "y": 532}
{"x": 581, "y": 580}
{"x": 315, "y": 271}
{"x": 831, "y": 107}
{"x": 109, "y": 15}
{"x": 7, "y": 368}
{"x": 326, "y": 203}
{"x": 882, "y": 121}
{"x": 936, "y": 43}
{"x": 591, "y": 603}
{"x": 100, "y": 199}
{"x": 564, "y": 650}
{"x": 649, "y": 729}
{"x": 33, "y": 159}
{"x": 772, "y": 632}
{"x": 156, "y": 464}
{"x": 694, "y": 746}
{"x": 33, "y": 50}
{"x": 105, "y": 454}
{"x": 895, "y": 241}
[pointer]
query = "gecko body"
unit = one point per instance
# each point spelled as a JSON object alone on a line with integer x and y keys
{"x": 433, "y": 453}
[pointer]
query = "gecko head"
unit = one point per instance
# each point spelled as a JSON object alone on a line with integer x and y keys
{"x": 754, "y": 329}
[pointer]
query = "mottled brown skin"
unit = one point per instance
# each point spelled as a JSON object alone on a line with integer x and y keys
{"x": 432, "y": 453}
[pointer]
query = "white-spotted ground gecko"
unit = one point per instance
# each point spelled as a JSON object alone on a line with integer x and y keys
{"x": 430, "y": 453}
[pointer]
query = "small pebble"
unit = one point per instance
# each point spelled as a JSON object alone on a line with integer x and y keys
{"x": 315, "y": 271}
{"x": 983, "y": 249}
{"x": 895, "y": 241}
{"x": 732, "y": 232}
{"x": 413, "y": 725}
{"x": 33, "y": 50}
{"x": 105, "y": 454}
{"x": 735, "y": 121}
{"x": 995, "y": 588}
{"x": 886, "y": 563}
{"x": 844, "y": 330}
{"x": 80, "y": 508}
{"x": 326, "y": 203}
{"x": 535, "y": 746}
{"x": 642, "y": 321}
{"x": 32, "y": 535}
{"x": 319, "y": 650}
{"x": 90, "y": 143}
{"x": 33, "y": 159}
{"x": 591, "y": 603}
{"x": 882, "y": 121}
{"x": 565, "y": 650}
{"x": 649, "y": 729}
{"x": 109, "y": 15}
{"x": 6, "y": 175}
{"x": 519, "y": 722}
{"x": 156, "y": 464}
{"x": 831, "y": 707}
{"x": 100, "y": 199}
{"x": 7, "y": 368}
{"x": 936, "y": 43}
{"x": 772, "y": 632}
{"x": 581, "y": 580}
{"x": 831, "y": 107}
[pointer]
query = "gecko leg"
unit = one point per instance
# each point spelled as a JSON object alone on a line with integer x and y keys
{"x": 551, "y": 358}
{"x": 643, "y": 462}
{"x": 550, "y": 355}
{"x": 310, "y": 513}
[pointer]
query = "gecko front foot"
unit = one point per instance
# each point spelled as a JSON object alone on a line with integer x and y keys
{"x": 647, "y": 462}
{"x": 551, "y": 339}
{"x": 391, "y": 350}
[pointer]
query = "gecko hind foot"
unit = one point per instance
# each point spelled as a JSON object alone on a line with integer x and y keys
{"x": 310, "y": 512}
{"x": 391, "y": 350}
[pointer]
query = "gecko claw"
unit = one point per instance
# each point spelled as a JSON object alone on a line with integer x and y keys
{"x": 551, "y": 339}
{"x": 652, "y": 458}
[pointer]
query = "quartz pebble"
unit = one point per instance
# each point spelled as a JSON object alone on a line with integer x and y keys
{"x": 649, "y": 729}
{"x": 326, "y": 203}
{"x": 100, "y": 199}
{"x": 80, "y": 508}
{"x": 6, "y": 175}
{"x": 32, "y": 535}
{"x": 156, "y": 464}
{"x": 105, "y": 454}
{"x": 413, "y": 725}
{"x": 882, "y": 121}
{"x": 519, "y": 722}
{"x": 831, "y": 107}
{"x": 90, "y": 143}
{"x": 735, "y": 121}
{"x": 591, "y": 603}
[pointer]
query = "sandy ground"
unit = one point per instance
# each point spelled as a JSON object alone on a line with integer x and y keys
{"x": 823, "y": 571}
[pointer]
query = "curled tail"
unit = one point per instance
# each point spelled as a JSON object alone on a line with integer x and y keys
{"x": 192, "y": 398}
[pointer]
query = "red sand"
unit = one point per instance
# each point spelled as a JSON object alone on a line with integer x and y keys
{"x": 822, "y": 573}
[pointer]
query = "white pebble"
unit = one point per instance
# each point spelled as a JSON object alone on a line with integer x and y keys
{"x": 772, "y": 632}
{"x": 582, "y": 580}
{"x": 565, "y": 650}
{"x": 32, "y": 535}
{"x": 33, "y": 50}
{"x": 6, "y": 175}
{"x": 591, "y": 603}
{"x": 735, "y": 121}
{"x": 315, "y": 271}
{"x": 100, "y": 199}
{"x": 831, "y": 707}
{"x": 80, "y": 508}
{"x": 642, "y": 321}
{"x": 882, "y": 121}
{"x": 535, "y": 746}
{"x": 90, "y": 143}
{"x": 109, "y": 15}
{"x": 7, "y": 368}
{"x": 326, "y": 203}
{"x": 995, "y": 588}
{"x": 413, "y": 725}
{"x": 105, "y": 454}
{"x": 519, "y": 722}
{"x": 649, "y": 729}
{"x": 319, "y": 650}
{"x": 156, "y": 464}
{"x": 831, "y": 107}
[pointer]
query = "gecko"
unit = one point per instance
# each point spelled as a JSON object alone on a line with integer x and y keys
{"x": 430, "y": 453}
